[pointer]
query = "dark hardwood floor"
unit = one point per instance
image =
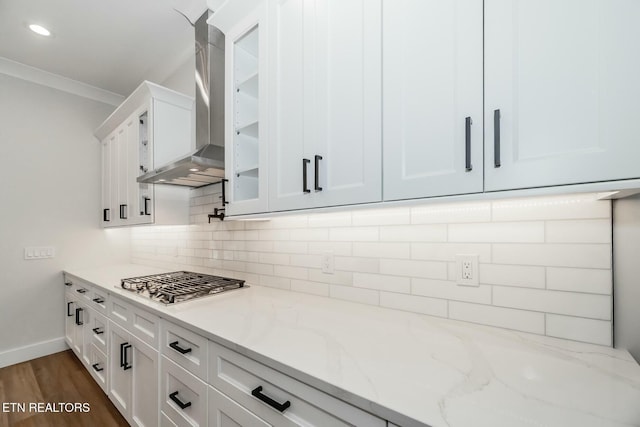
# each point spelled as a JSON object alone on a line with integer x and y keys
{"x": 52, "y": 379}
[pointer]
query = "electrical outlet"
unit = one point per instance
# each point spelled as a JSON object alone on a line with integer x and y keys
{"x": 327, "y": 263}
{"x": 467, "y": 270}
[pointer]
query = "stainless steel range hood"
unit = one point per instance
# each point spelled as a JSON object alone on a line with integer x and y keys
{"x": 206, "y": 164}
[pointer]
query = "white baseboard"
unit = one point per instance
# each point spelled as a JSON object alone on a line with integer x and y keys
{"x": 32, "y": 351}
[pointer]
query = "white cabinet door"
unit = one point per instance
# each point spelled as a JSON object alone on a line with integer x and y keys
{"x": 432, "y": 70}
{"x": 86, "y": 319}
{"x": 119, "y": 377}
{"x": 70, "y": 320}
{"x": 325, "y": 103}
{"x": 124, "y": 174}
{"x": 107, "y": 170}
{"x": 343, "y": 122}
{"x": 247, "y": 113}
{"x": 287, "y": 129}
{"x": 145, "y": 391}
{"x": 563, "y": 75}
{"x": 224, "y": 412}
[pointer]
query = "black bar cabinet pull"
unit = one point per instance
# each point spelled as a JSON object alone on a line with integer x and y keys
{"x": 123, "y": 211}
{"x": 98, "y": 300}
{"x": 174, "y": 345}
{"x": 257, "y": 392}
{"x": 317, "y": 173}
{"x": 97, "y": 331}
{"x": 68, "y": 284}
{"x": 496, "y": 138}
{"x": 305, "y": 162}
{"x": 81, "y": 291}
{"x": 224, "y": 195}
{"x": 124, "y": 363}
{"x": 78, "y": 321}
{"x": 106, "y": 215}
{"x": 96, "y": 367}
{"x": 146, "y": 206}
{"x": 174, "y": 396}
{"x": 467, "y": 143}
{"x": 69, "y": 314}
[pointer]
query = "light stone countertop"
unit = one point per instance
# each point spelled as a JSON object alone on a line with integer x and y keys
{"x": 408, "y": 368}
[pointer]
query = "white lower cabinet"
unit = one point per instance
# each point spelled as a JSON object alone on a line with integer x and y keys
{"x": 224, "y": 412}
{"x": 277, "y": 398}
{"x": 98, "y": 367}
{"x": 183, "y": 396}
{"x": 133, "y": 383}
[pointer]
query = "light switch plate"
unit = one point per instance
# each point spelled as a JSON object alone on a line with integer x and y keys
{"x": 39, "y": 252}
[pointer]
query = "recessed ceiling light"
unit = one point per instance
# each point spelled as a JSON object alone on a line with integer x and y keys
{"x": 39, "y": 29}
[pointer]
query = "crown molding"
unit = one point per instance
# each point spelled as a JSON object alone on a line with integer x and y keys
{"x": 55, "y": 81}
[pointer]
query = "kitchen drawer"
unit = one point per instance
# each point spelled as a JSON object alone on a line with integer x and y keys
{"x": 99, "y": 331}
{"x": 179, "y": 387}
{"x": 224, "y": 412}
{"x": 141, "y": 323}
{"x": 166, "y": 421}
{"x": 99, "y": 298}
{"x": 237, "y": 376}
{"x": 184, "y": 347}
{"x": 79, "y": 288}
{"x": 98, "y": 367}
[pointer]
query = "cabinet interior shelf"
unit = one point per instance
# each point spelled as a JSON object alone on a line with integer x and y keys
{"x": 250, "y": 129}
{"x": 251, "y": 172}
{"x": 249, "y": 85}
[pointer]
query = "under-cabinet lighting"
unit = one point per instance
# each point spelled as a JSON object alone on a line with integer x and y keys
{"x": 39, "y": 29}
{"x": 194, "y": 170}
{"x": 161, "y": 180}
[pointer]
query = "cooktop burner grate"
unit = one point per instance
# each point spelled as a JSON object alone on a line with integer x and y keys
{"x": 177, "y": 286}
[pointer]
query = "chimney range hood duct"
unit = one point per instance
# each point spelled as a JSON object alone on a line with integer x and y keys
{"x": 205, "y": 165}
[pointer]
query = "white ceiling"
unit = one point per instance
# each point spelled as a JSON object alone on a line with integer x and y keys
{"x": 110, "y": 44}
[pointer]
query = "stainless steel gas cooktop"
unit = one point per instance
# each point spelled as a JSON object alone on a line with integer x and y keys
{"x": 178, "y": 286}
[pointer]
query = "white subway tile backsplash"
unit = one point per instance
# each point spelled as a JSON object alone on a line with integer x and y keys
{"x": 575, "y": 328}
{"x": 382, "y": 283}
{"x": 449, "y": 290}
{"x": 586, "y": 231}
{"x": 448, "y": 251}
{"x": 414, "y": 233}
{"x": 406, "y": 268}
{"x": 520, "y": 320}
{"x": 451, "y": 213}
{"x": 381, "y": 250}
{"x": 415, "y": 304}
{"x": 542, "y": 259}
{"x": 553, "y": 254}
{"x": 580, "y": 280}
{"x": 512, "y": 275}
{"x": 364, "y": 296}
{"x": 354, "y": 234}
{"x": 558, "y": 302}
{"x": 382, "y": 216}
{"x": 514, "y": 232}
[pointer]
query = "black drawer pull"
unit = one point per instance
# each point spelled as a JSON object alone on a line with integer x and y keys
{"x": 174, "y": 345}
{"x": 81, "y": 291}
{"x": 146, "y": 206}
{"x": 316, "y": 173}
{"x": 496, "y": 139}
{"x": 467, "y": 144}
{"x": 68, "y": 284}
{"x": 124, "y": 364}
{"x": 123, "y": 211}
{"x": 98, "y": 300}
{"x": 96, "y": 367}
{"x": 106, "y": 215}
{"x": 257, "y": 392}
{"x": 69, "y": 314}
{"x": 97, "y": 331}
{"x": 78, "y": 321}
{"x": 174, "y": 396}
{"x": 305, "y": 162}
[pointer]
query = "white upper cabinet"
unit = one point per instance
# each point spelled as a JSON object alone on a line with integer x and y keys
{"x": 246, "y": 139}
{"x": 325, "y": 111}
{"x": 152, "y": 127}
{"x": 562, "y": 91}
{"x": 432, "y": 99}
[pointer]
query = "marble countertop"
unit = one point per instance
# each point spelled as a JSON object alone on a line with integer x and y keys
{"x": 408, "y": 368}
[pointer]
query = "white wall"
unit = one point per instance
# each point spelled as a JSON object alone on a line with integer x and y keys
{"x": 49, "y": 195}
{"x": 183, "y": 78}
{"x": 626, "y": 255}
